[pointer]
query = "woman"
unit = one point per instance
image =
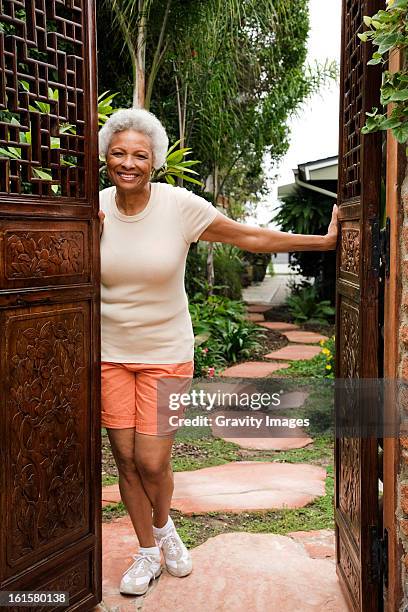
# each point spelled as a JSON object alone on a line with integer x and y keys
{"x": 146, "y": 231}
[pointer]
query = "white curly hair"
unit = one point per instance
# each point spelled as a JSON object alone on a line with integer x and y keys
{"x": 140, "y": 120}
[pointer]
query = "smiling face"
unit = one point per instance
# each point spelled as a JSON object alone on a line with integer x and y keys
{"x": 129, "y": 160}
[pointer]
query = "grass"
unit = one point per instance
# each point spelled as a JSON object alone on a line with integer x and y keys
{"x": 203, "y": 453}
{"x": 197, "y": 528}
{"x": 311, "y": 368}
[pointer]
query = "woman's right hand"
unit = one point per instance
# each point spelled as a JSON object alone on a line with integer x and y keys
{"x": 101, "y": 216}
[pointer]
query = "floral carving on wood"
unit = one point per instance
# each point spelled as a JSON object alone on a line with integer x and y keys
{"x": 349, "y": 483}
{"x": 349, "y": 326}
{"x": 37, "y": 254}
{"x": 350, "y": 250}
{"x": 350, "y": 572}
{"x": 46, "y": 404}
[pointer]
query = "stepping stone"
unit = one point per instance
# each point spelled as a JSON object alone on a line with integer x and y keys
{"x": 253, "y": 369}
{"x": 250, "y": 571}
{"x": 319, "y": 544}
{"x": 242, "y": 486}
{"x": 279, "y": 326}
{"x": 119, "y": 543}
{"x": 261, "y": 438}
{"x": 275, "y": 444}
{"x": 258, "y": 308}
{"x": 255, "y": 317}
{"x": 305, "y": 337}
{"x": 110, "y": 495}
{"x": 225, "y": 487}
{"x": 295, "y": 352}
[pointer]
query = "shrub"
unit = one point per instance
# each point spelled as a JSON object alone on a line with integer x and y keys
{"x": 228, "y": 268}
{"x": 304, "y": 305}
{"x": 239, "y": 339}
{"x": 306, "y": 212}
{"x": 222, "y": 334}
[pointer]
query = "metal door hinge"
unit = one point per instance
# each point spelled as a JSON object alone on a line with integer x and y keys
{"x": 379, "y": 555}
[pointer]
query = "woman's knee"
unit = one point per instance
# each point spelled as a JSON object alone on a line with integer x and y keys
{"x": 126, "y": 466}
{"x": 153, "y": 470}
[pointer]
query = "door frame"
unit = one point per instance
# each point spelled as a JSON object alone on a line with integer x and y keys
{"x": 395, "y": 169}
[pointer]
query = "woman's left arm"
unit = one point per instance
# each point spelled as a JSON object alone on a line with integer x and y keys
{"x": 263, "y": 240}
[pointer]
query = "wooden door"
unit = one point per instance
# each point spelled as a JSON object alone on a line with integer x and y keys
{"x": 50, "y": 530}
{"x": 357, "y": 508}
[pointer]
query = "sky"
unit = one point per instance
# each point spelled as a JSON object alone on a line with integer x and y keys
{"x": 314, "y": 131}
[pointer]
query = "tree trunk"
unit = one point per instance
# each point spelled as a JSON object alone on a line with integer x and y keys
{"x": 140, "y": 80}
{"x": 210, "y": 251}
{"x": 158, "y": 56}
{"x": 182, "y": 113}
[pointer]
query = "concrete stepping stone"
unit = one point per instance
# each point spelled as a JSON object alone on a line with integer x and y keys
{"x": 295, "y": 352}
{"x": 250, "y": 571}
{"x": 253, "y": 369}
{"x": 305, "y": 337}
{"x": 242, "y": 486}
{"x": 255, "y": 317}
{"x": 279, "y": 326}
{"x": 258, "y": 308}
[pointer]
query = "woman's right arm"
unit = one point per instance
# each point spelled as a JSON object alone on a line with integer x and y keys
{"x": 101, "y": 216}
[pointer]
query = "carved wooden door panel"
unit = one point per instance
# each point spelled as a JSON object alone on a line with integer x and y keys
{"x": 357, "y": 513}
{"x": 50, "y": 530}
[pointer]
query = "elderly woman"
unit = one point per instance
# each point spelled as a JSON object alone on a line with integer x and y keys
{"x": 146, "y": 231}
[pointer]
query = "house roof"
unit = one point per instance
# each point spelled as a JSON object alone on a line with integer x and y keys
{"x": 319, "y": 175}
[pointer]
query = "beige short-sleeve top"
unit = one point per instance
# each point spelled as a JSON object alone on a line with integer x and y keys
{"x": 144, "y": 306}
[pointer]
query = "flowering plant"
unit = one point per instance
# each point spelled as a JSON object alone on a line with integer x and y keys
{"x": 328, "y": 352}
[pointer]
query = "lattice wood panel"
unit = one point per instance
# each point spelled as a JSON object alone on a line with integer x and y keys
{"x": 42, "y": 119}
{"x": 353, "y": 100}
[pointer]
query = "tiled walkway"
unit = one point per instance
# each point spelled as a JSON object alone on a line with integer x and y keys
{"x": 240, "y": 571}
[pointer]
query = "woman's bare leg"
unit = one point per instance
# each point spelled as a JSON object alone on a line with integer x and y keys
{"x": 152, "y": 457}
{"x": 131, "y": 488}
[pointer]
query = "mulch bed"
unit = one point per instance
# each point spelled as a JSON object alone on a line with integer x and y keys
{"x": 108, "y": 463}
{"x": 281, "y": 313}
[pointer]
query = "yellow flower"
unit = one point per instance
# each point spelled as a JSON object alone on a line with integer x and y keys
{"x": 326, "y": 351}
{"x": 328, "y": 367}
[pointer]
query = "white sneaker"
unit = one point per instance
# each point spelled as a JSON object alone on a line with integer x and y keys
{"x": 136, "y": 579}
{"x": 176, "y": 556}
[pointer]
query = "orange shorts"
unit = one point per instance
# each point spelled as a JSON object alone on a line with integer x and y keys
{"x": 129, "y": 394}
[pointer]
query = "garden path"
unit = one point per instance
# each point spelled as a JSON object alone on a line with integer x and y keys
{"x": 272, "y": 291}
{"x": 238, "y": 571}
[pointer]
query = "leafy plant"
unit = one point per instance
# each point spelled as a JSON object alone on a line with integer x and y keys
{"x": 105, "y": 108}
{"x": 320, "y": 366}
{"x": 177, "y": 167}
{"x": 306, "y": 212}
{"x": 305, "y": 306}
{"x": 239, "y": 339}
{"x": 228, "y": 267}
{"x": 388, "y": 32}
{"x": 328, "y": 351}
{"x": 222, "y": 333}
